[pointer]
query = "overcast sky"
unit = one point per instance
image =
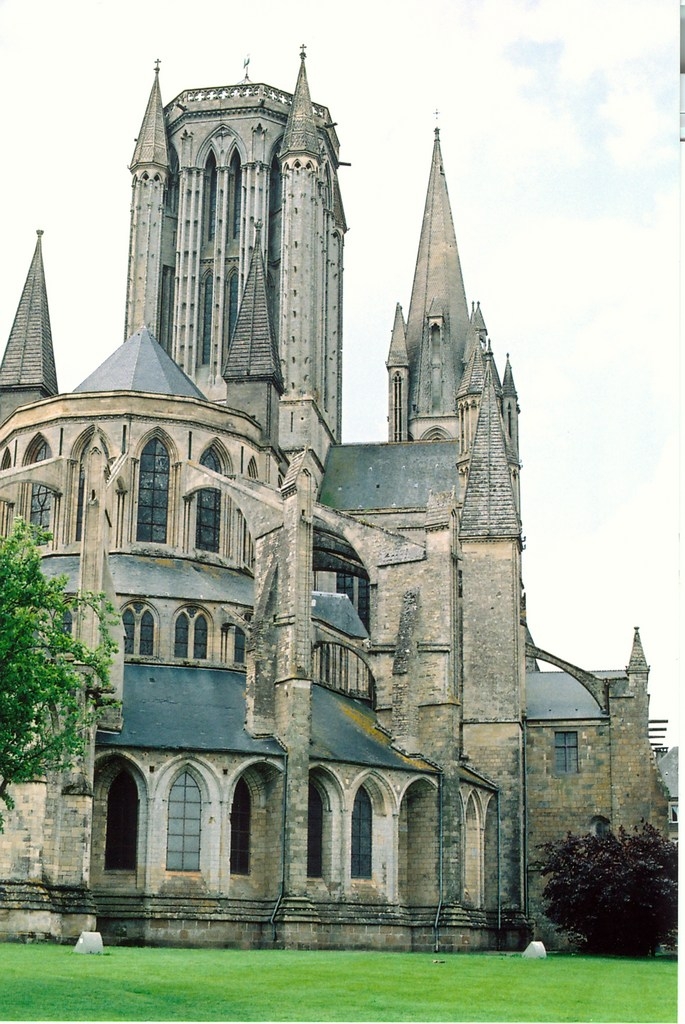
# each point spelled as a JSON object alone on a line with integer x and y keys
{"x": 559, "y": 132}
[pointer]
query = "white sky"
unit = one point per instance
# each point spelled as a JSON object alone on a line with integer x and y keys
{"x": 559, "y": 132}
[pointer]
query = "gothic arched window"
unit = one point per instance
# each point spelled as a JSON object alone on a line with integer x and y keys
{"x": 236, "y": 194}
{"x": 139, "y": 630}
{"x": 252, "y": 469}
{"x": 122, "y": 824}
{"x": 239, "y": 646}
{"x": 207, "y": 303}
{"x": 211, "y": 187}
{"x": 129, "y": 622}
{"x": 181, "y": 631}
{"x": 153, "y": 492}
{"x": 6, "y": 459}
{"x": 41, "y": 496}
{"x": 314, "y": 833}
{"x": 191, "y": 632}
{"x": 241, "y": 812}
{"x": 200, "y": 638}
{"x": 208, "y": 517}
{"x": 183, "y": 830}
{"x": 362, "y": 828}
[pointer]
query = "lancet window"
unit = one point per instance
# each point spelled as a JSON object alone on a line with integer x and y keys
{"x": 184, "y": 825}
{"x": 241, "y": 813}
{"x": 153, "y": 492}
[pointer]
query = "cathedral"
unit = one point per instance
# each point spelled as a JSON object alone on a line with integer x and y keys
{"x": 333, "y": 728}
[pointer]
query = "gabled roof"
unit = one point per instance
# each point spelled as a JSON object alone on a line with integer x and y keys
{"x": 489, "y": 507}
{"x": 29, "y": 359}
{"x": 300, "y": 132}
{"x": 141, "y": 364}
{"x": 253, "y": 352}
{"x": 151, "y": 144}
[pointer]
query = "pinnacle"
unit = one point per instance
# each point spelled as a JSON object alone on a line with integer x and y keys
{"x": 638, "y": 662}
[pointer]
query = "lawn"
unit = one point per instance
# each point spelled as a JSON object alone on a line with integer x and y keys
{"x": 47, "y": 982}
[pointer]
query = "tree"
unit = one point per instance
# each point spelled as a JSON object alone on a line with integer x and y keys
{"x": 615, "y": 893}
{"x": 50, "y": 682}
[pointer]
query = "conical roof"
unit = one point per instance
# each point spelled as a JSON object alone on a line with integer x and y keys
{"x": 151, "y": 144}
{"x": 508, "y": 386}
{"x": 141, "y": 364}
{"x": 397, "y": 355}
{"x": 474, "y": 375}
{"x": 489, "y": 506}
{"x": 300, "y": 132}
{"x": 638, "y": 662}
{"x": 438, "y": 283}
{"x": 253, "y": 352}
{"x": 29, "y": 359}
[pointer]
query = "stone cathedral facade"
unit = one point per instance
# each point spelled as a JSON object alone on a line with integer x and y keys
{"x": 334, "y": 727}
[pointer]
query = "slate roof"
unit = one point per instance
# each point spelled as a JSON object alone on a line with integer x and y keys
{"x": 375, "y": 476}
{"x": 557, "y": 695}
{"x": 174, "y": 707}
{"x": 668, "y": 766}
{"x": 337, "y": 610}
{"x": 169, "y": 707}
{"x": 346, "y": 730}
{"x": 151, "y": 144}
{"x": 489, "y": 507}
{"x": 253, "y": 352}
{"x": 138, "y": 575}
{"x": 29, "y": 359}
{"x": 146, "y": 576}
{"x": 141, "y": 364}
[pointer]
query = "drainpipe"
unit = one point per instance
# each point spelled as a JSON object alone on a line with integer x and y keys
{"x": 499, "y": 873}
{"x": 436, "y": 924}
{"x": 525, "y": 818}
{"x": 272, "y": 921}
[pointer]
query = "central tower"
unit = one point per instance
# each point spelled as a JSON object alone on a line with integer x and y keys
{"x": 216, "y": 173}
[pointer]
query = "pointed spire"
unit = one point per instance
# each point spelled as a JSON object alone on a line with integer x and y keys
{"x": 508, "y": 386}
{"x": 489, "y": 505}
{"x": 300, "y": 132}
{"x": 253, "y": 352}
{"x": 397, "y": 356}
{"x": 151, "y": 144}
{"x": 29, "y": 360}
{"x": 638, "y": 662}
{"x": 438, "y": 281}
{"x": 490, "y": 360}
{"x": 477, "y": 318}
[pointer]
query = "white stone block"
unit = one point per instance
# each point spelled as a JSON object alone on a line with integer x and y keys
{"x": 535, "y": 951}
{"x": 89, "y": 942}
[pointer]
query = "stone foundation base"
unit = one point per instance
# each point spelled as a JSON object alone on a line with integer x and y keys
{"x": 39, "y": 912}
{"x": 299, "y": 923}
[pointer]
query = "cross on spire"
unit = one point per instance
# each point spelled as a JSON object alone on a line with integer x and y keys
{"x": 157, "y": 63}
{"x": 303, "y": 53}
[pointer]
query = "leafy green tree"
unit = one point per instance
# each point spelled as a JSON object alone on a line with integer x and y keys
{"x": 615, "y": 893}
{"x": 51, "y": 683}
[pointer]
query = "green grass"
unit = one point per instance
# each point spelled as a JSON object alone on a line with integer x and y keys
{"x": 46, "y": 982}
